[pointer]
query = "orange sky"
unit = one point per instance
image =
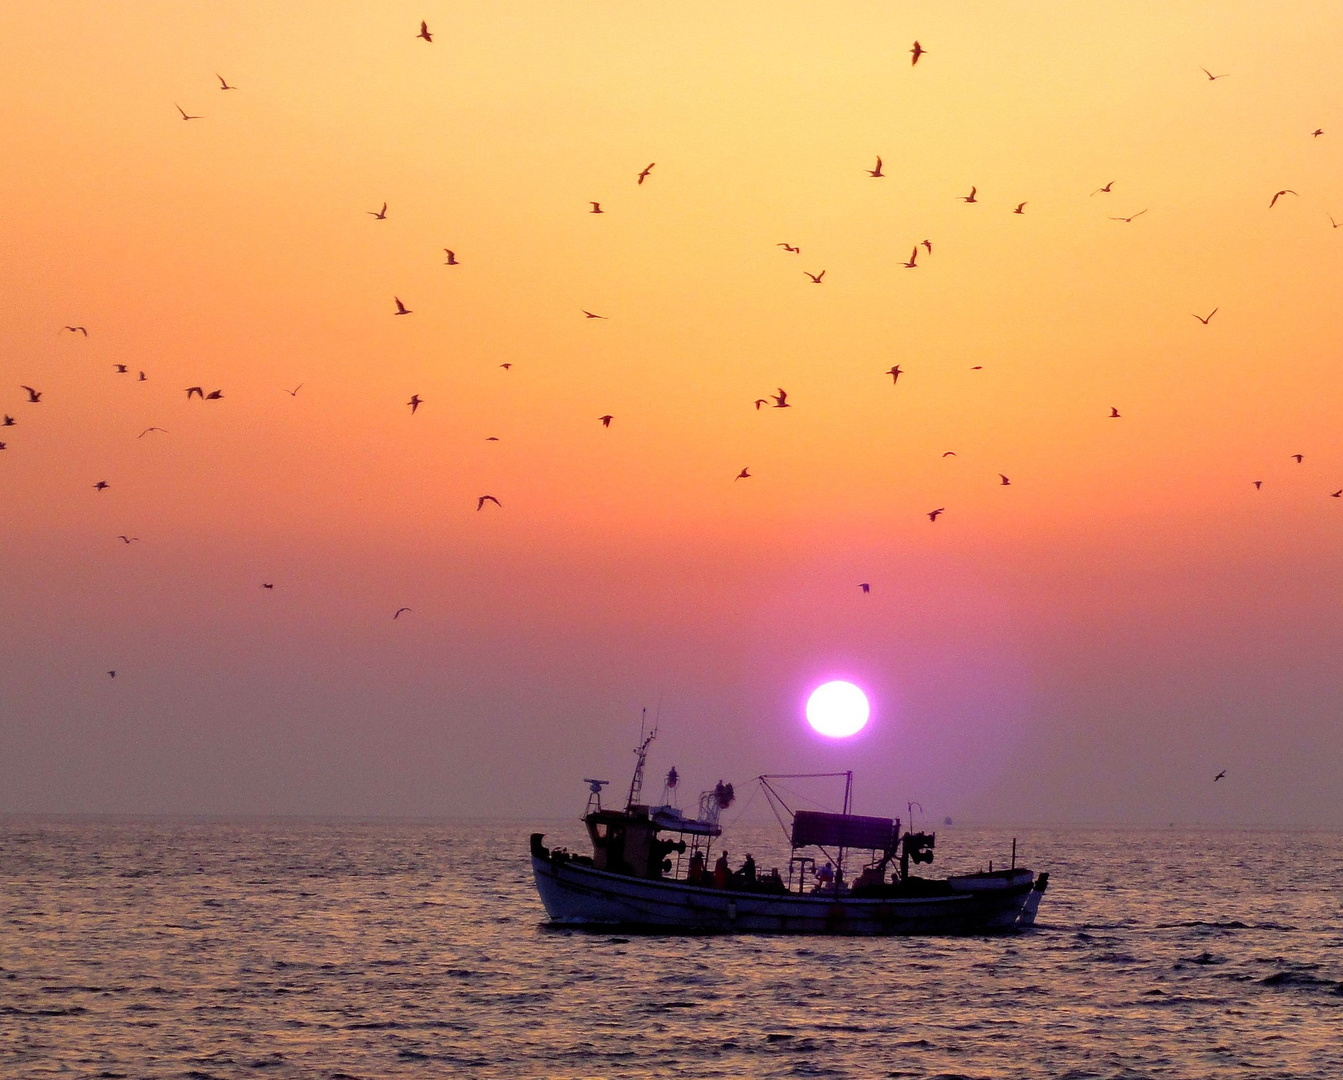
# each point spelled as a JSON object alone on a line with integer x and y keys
{"x": 1127, "y": 614}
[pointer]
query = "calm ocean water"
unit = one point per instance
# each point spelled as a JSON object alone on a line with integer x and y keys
{"x": 339, "y": 950}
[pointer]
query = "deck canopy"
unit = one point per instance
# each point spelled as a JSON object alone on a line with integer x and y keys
{"x": 812, "y": 828}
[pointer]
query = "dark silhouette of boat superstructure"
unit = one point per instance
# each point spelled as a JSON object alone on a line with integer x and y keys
{"x": 632, "y": 881}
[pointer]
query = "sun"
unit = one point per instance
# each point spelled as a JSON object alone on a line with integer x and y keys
{"x": 837, "y": 709}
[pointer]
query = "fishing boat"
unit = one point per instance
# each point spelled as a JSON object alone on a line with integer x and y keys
{"x": 649, "y": 870}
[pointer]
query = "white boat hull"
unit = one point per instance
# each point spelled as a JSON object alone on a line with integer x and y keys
{"x": 576, "y": 894}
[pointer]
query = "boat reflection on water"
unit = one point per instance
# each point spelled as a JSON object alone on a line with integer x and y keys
{"x": 650, "y": 869}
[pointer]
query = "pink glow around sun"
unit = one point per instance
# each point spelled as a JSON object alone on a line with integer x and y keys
{"x": 837, "y": 709}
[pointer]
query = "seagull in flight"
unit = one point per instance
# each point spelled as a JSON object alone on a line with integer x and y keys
{"x": 197, "y": 390}
{"x": 745, "y": 474}
{"x": 1299, "y": 457}
{"x": 34, "y": 396}
{"x": 8, "y": 421}
{"x": 1317, "y": 133}
{"x": 415, "y": 402}
{"x": 1258, "y": 484}
{"x": 1211, "y": 76}
{"x": 815, "y": 278}
{"x": 186, "y": 115}
{"x": 1130, "y": 217}
{"x": 111, "y": 674}
{"x": 948, "y": 453}
{"x": 379, "y": 215}
{"x": 101, "y": 485}
{"x": 1332, "y": 222}
{"x": 223, "y": 83}
{"x": 1219, "y": 776}
{"x": 590, "y": 315}
{"x": 760, "y": 401}
{"x": 127, "y": 539}
{"x": 969, "y": 198}
{"x": 896, "y": 371}
{"x": 877, "y": 173}
{"x": 452, "y": 257}
{"x": 505, "y": 366}
{"x": 644, "y": 175}
{"x": 268, "y": 585}
{"x": 293, "y": 392}
{"x": 596, "y": 208}
{"x": 790, "y": 248}
{"x": 865, "y": 586}
{"x": 214, "y": 395}
{"x": 1278, "y": 195}
{"x": 424, "y": 31}
{"x": 1336, "y": 494}
{"x": 482, "y": 500}
{"x": 932, "y": 514}
{"x": 149, "y": 429}
{"x": 1005, "y": 481}
{"x": 120, "y": 369}
{"x": 781, "y": 399}
{"x": 1114, "y": 413}
{"x": 1201, "y": 319}
{"x": 401, "y": 308}
{"x": 143, "y": 377}
{"x": 917, "y": 51}
{"x": 927, "y": 246}
{"x": 913, "y": 263}
{"x": 77, "y": 330}
{"x": 1021, "y": 208}
{"x": 606, "y": 420}
{"x": 399, "y": 612}
{"x": 1105, "y": 189}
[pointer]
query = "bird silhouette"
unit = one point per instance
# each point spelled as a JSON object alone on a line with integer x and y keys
{"x": 505, "y": 366}
{"x": 596, "y": 208}
{"x": 401, "y": 308}
{"x": 745, "y": 474}
{"x": 149, "y": 429}
{"x": 1336, "y": 494}
{"x": 927, "y": 246}
{"x": 186, "y": 115}
{"x": 1005, "y": 481}
{"x": 415, "y": 402}
{"x": 1332, "y": 222}
{"x": 917, "y": 51}
{"x": 1130, "y": 217}
{"x": 143, "y": 377}
{"x": 1204, "y": 321}
{"x": 815, "y": 278}
{"x": 1297, "y": 457}
{"x": 969, "y": 198}
{"x": 1317, "y": 133}
{"x": 895, "y": 373}
{"x": 1114, "y": 413}
{"x": 76, "y": 330}
{"x": 399, "y": 612}
{"x": 760, "y": 401}
{"x": 1279, "y": 194}
{"x": 948, "y": 453}
{"x": 197, "y": 390}
{"x": 591, "y": 315}
{"x": 4, "y": 445}
{"x": 1258, "y": 484}
{"x": 452, "y": 257}
{"x": 34, "y": 396}
{"x": 781, "y": 399}
{"x": 1211, "y": 76}
{"x": 1219, "y": 776}
{"x": 913, "y": 263}
{"x": 1021, "y": 208}
{"x": 877, "y": 171}
{"x": 111, "y": 674}
{"x": 790, "y": 248}
{"x": 214, "y": 395}
{"x": 101, "y": 485}
{"x": 1105, "y": 189}
{"x": 268, "y": 584}
{"x": 424, "y": 31}
{"x": 932, "y": 514}
{"x": 293, "y": 392}
{"x": 223, "y": 83}
{"x": 127, "y": 539}
{"x": 865, "y": 586}
{"x": 606, "y": 420}
{"x": 379, "y": 215}
{"x": 648, "y": 169}
{"x": 8, "y": 421}
{"x": 120, "y": 369}
{"x": 491, "y": 438}
{"x": 482, "y": 500}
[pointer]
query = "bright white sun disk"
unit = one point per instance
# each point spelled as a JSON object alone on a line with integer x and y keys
{"x": 837, "y": 709}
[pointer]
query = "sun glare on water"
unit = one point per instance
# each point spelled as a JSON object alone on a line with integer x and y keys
{"x": 837, "y": 709}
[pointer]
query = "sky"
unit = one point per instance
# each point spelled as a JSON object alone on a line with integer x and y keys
{"x": 1090, "y": 643}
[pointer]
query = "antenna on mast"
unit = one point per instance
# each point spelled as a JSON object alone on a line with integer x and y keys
{"x": 637, "y": 781}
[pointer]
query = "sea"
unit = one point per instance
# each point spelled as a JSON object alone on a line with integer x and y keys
{"x": 345, "y": 949}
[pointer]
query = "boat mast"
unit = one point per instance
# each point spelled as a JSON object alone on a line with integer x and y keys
{"x": 637, "y": 781}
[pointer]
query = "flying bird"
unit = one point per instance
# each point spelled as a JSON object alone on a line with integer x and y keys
{"x": 927, "y": 246}
{"x": 1211, "y": 76}
{"x": 877, "y": 171}
{"x": 745, "y": 474}
{"x": 1336, "y": 494}
{"x": 1105, "y": 189}
{"x": 932, "y": 514}
{"x": 1204, "y": 321}
{"x": 969, "y": 198}
{"x": 1298, "y": 457}
{"x": 293, "y": 392}
{"x": 1317, "y": 133}
{"x": 948, "y": 453}
{"x": 101, "y": 485}
{"x": 591, "y": 315}
{"x": 1130, "y": 217}
{"x": 149, "y": 429}
{"x": 77, "y": 330}
{"x": 1280, "y": 194}
{"x": 1021, "y": 208}
{"x": 505, "y": 366}
{"x": 4, "y": 445}
{"x": 399, "y": 612}
{"x": 424, "y": 31}
{"x": 491, "y": 438}
{"x": 606, "y": 420}
{"x": 186, "y": 115}
{"x": 1332, "y": 222}
{"x": 380, "y": 215}
{"x": 1114, "y": 413}
{"x": 34, "y": 396}
{"x": 644, "y": 175}
{"x": 760, "y": 401}
{"x": 143, "y": 377}
{"x": 815, "y": 278}
{"x": 1219, "y": 776}
{"x": 894, "y": 373}
{"x": 480, "y": 502}
{"x": 401, "y": 308}
{"x": 596, "y": 208}
{"x": 120, "y": 369}
{"x": 781, "y": 399}
{"x": 452, "y": 257}
{"x": 790, "y": 248}
{"x": 111, "y": 674}
{"x": 214, "y": 395}
{"x": 127, "y": 539}
{"x": 8, "y": 421}
{"x": 415, "y": 402}
{"x": 917, "y": 51}
{"x": 1005, "y": 481}
{"x": 223, "y": 83}
{"x": 268, "y": 584}
{"x": 913, "y": 263}
{"x": 197, "y": 390}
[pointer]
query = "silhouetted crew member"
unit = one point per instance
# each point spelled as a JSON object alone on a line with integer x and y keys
{"x": 748, "y": 869}
{"x": 695, "y": 874}
{"x": 721, "y": 873}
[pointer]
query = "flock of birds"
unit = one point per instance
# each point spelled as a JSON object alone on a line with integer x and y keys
{"x": 777, "y": 400}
